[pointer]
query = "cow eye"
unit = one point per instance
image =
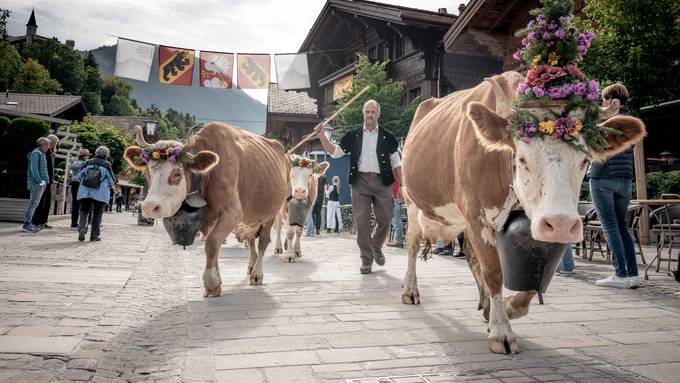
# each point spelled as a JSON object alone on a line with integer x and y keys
{"x": 522, "y": 160}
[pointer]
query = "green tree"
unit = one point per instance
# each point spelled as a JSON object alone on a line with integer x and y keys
{"x": 637, "y": 43}
{"x": 10, "y": 60}
{"x": 93, "y": 135}
{"x": 34, "y": 78}
{"x": 181, "y": 123}
{"x": 115, "y": 97}
{"x": 90, "y": 61}
{"x": 92, "y": 91}
{"x": 4, "y": 15}
{"x": 65, "y": 64}
{"x": 393, "y": 116}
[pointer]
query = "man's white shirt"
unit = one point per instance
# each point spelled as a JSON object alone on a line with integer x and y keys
{"x": 368, "y": 160}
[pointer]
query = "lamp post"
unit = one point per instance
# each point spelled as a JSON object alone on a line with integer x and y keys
{"x": 150, "y": 129}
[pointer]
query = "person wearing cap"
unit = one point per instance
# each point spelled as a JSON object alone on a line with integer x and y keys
{"x": 43, "y": 209}
{"x": 36, "y": 181}
{"x": 76, "y": 167}
{"x": 94, "y": 198}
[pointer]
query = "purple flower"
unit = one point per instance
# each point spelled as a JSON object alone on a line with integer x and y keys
{"x": 144, "y": 156}
{"x": 560, "y": 33}
{"x": 538, "y": 91}
{"x": 525, "y": 41}
{"x": 521, "y": 88}
{"x": 552, "y": 26}
{"x": 581, "y": 48}
{"x": 564, "y": 20}
{"x": 593, "y": 90}
{"x": 531, "y": 36}
{"x": 517, "y": 56}
{"x": 555, "y": 93}
{"x": 579, "y": 89}
{"x": 527, "y": 91}
{"x": 546, "y": 35}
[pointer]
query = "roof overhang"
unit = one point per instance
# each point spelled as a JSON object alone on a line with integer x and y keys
{"x": 53, "y": 120}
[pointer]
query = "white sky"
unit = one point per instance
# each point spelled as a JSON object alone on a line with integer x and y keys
{"x": 249, "y": 26}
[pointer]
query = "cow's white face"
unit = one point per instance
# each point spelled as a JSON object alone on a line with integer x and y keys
{"x": 549, "y": 172}
{"x": 301, "y": 179}
{"x": 547, "y": 181}
{"x": 167, "y": 181}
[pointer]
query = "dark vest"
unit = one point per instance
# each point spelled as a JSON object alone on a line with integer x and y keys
{"x": 621, "y": 165}
{"x": 387, "y": 144}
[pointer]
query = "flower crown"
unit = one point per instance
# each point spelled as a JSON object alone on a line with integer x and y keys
{"x": 301, "y": 161}
{"x": 551, "y": 48}
{"x": 172, "y": 154}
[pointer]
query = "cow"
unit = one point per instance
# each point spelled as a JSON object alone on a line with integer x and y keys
{"x": 244, "y": 180}
{"x": 304, "y": 181}
{"x": 463, "y": 140}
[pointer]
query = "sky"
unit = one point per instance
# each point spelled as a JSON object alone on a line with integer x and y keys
{"x": 249, "y": 26}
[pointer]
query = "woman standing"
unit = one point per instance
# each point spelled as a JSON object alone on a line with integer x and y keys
{"x": 96, "y": 178}
{"x": 333, "y": 206}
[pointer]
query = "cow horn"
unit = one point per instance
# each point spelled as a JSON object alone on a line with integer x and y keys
{"x": 611, "y": 110}
{"x": 503, "y": 108}
{"x": 139, "y": 136}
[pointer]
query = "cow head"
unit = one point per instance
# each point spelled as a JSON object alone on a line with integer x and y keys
{"x": 302, "y": 177}
{"x": 548, "y": 171}
{"x": 168, "y": 175}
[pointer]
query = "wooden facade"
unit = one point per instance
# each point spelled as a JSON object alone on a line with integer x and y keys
{"x": 411, "y": 39}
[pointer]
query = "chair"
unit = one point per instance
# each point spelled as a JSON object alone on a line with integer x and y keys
{"x": 594, "y": 232}
{"x": 583, "y": 208}
{"x": 666, "y": 226}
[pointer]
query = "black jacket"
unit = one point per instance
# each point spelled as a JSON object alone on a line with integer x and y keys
{"x": 320, "y": 191}
{"x": 387, "y": 144}
{"x": 621, "y": 165}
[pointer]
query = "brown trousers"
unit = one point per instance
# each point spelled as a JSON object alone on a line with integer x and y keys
{"x": 368, "y": 190}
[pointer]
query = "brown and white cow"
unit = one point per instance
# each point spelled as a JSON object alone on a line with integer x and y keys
{"x": 304, "y": 183}
{"x": 463, "y": 140}
{"x": 244, "y": 181}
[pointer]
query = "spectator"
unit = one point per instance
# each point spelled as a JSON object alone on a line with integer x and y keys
{"x": 76, "y": 167}
{"x": 119, "y": 201}
{"x": 610, "y": 188}
{"x": 397, "y": 222}
{"x": 318, "y": 204}
{"x": 43, "y": 209}
{"x": 566, "y": 266}
{"x": 333, "y": 213}
{"x": 96, "y": 179}
{"x": 36, "y": 181}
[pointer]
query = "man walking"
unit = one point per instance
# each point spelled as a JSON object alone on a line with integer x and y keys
{"x": 76, "y": 167}
{"x": 36, "y": 180}
{"x": 43, "y": 209}
{"x": 373, "y": 158}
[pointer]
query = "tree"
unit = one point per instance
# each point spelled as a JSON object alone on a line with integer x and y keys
{"x": 34, "y": 78}
{"x": 10, "y": 60}
{"x": 92, "y": 135}
{"x": 64, "y": 64}
{"x": 115, "y": 97}
{"x": 92, "y": 91}
{"x": 4, "y": 15}
{"x": 90, "y": 61}
{"x": 637, "y": 44}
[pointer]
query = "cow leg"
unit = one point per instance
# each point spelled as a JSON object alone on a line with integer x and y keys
{"x": 290, "y": 255}
{"x": 473, "y": 262}
{"x": 517, "y": 305}
{"x": 296, "y": 245}
{"x": 264, "y": 237}
{"x": 501, "y": 337}
{"x": 211, "y": 275}
{"x": 414, "y": 234}
{"x": 278, "y": 225}
{"x": 252, "y": 259}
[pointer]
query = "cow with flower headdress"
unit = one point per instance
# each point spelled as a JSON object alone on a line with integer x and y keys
{"x": 243, "y": 182}
{"x": 512, "y": 141}
{"x": 304, "y": 181}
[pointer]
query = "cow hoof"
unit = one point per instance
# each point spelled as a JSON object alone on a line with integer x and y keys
{"x": 289, "y": 259}
{"x": 411, "y": 299}
{"x": 298, "y": 253}
{"x": 278, "y": 250}
{"x": 503, "y": 345}
{"x": 212, "y": 293}
{"x": 256, "y": 279}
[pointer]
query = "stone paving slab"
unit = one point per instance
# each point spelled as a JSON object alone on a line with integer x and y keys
{"x": 130, "y": 309}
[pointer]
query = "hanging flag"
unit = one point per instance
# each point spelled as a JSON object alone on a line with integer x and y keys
{"x": 216, "y": 69}
{"x": 133, "y": 60}
{"x": 341, "y": 86}
{"x": 175, "y": 65}
{"x": 292, "y": 71}
{"x": 253, "y": 71}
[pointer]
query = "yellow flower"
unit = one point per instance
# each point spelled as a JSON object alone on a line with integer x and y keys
{"x": 579, "y": 125}
{"x": 553, "y": 59}
{"x": 536, "y": 59}
{"x": 547, "y": 127}
{"x": 573, "y": 133}
{"x": 155, "y": 155}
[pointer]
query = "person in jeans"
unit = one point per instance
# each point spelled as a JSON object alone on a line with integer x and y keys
{"x": 42, "y": 212}
{"x": 567, "y": 265}
{"x": 36, "y": 181}
{"x": 610, "y": 188}
{"x": 397, "y": 222}
{"x": 76, "y": 167}
{"x": 91, "y": 198}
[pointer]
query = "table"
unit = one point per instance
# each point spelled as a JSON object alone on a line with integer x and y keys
{"x": 665, "y": 228}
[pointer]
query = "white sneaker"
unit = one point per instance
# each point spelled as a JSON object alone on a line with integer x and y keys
{"x": 635, "y": 282}
{"x": 614, "y": 281}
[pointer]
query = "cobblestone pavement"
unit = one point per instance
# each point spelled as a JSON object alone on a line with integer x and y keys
{"x": 130, "y": 309}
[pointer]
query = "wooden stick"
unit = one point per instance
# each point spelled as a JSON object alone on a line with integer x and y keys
{"x": 312, "y": 135}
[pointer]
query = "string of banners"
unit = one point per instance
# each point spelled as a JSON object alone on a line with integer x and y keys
{"x": 176, "y": 67}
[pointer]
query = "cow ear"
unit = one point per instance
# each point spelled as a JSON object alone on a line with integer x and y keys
{"x": 131, "y": 155}
{"x": 621, "y": 133}
{"x": 203, "y": 161}
{"x": 490, "y": 128}
{"x": 321, "y": 168}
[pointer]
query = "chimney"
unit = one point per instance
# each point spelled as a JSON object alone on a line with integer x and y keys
{"x": 70, "y": 43}
{"x": 461, "y": 8}
{"x": 442, "y": 10}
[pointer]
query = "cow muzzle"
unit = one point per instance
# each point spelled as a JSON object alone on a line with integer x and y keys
{"x": 155, "y": 209}
{"x": 558, "y": 228}
{"x": 299, "y": 193}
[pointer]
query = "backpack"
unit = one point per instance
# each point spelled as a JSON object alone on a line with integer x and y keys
{"x": 92, "y": 177}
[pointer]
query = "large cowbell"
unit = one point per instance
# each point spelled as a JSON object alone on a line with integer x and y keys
{"x": 527, "y": 264}
{"x": 184, "y": 225}
{"x": 297, "y": 211}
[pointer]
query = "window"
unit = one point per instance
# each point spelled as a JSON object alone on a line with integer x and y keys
{"x": 328, "y": 93}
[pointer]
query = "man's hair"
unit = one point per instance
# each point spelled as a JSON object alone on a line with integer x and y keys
{"x": 42, "y": 141}
{"x": 616, "y": 90}
{"x": 53, "y": 138}
{"x": 102, "y": 151}
{"x": 371, "y": 102}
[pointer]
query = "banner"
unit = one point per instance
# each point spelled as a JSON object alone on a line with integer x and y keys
{"x": 216, "y": 69}
{"x": 175, "y": 65}
{"x": 253, "y": 71}
{"x": 292, "y": 71}
{"x": 341, "y": 86}
{"x": 133, "y": 60}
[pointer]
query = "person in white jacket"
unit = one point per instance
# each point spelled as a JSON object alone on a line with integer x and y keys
{"x": 333, "y": 206}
